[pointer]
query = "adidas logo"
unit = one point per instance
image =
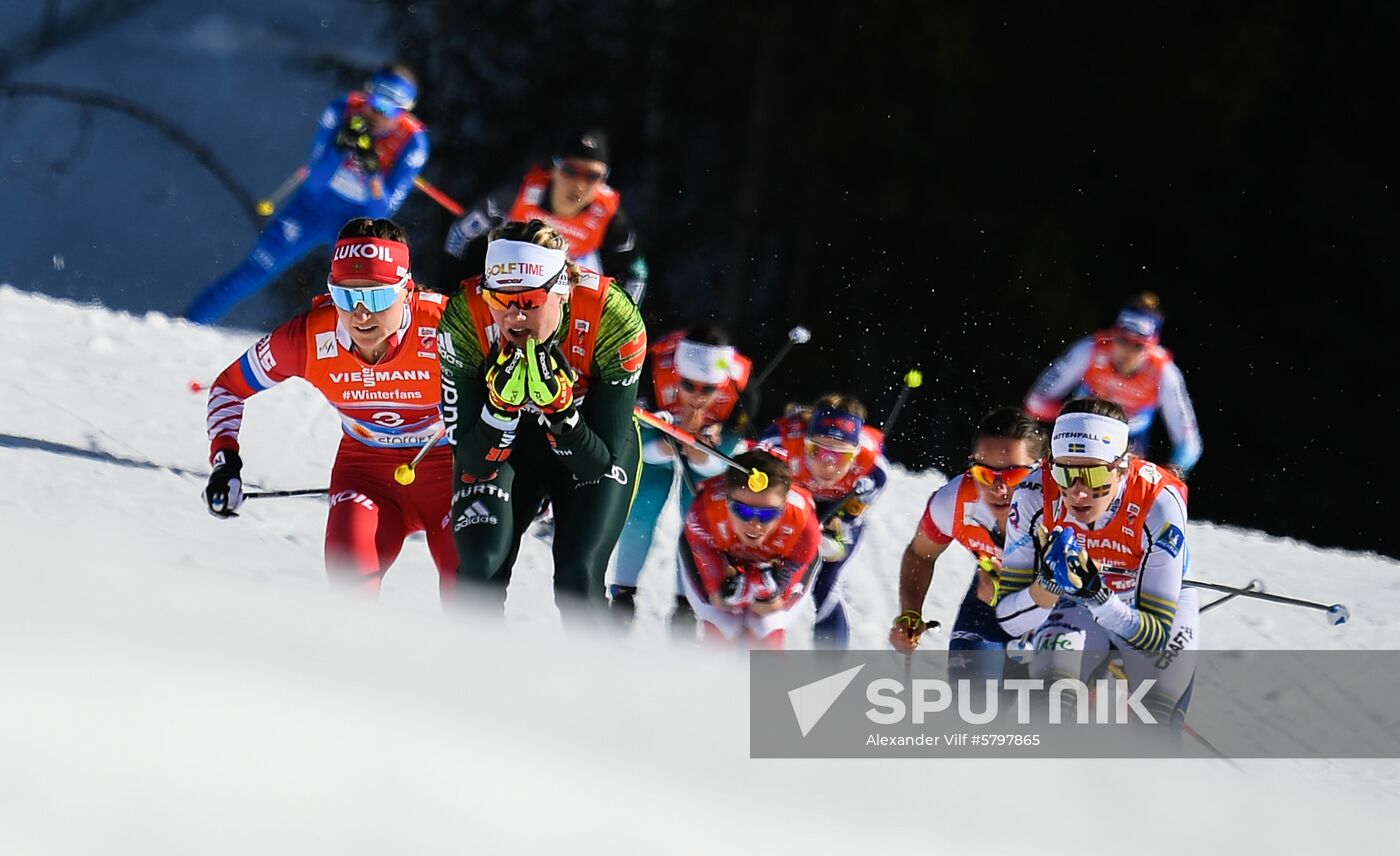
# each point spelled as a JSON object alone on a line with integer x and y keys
{"x": 476, "y": 513}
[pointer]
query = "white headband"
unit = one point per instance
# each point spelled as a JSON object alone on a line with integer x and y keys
{"x": 517, "y": 264}
{"x": 709, "y": 364}
{"x": 1088, "y": 435}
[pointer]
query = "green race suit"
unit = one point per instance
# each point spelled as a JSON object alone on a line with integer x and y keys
{"x": 503, "y": 477}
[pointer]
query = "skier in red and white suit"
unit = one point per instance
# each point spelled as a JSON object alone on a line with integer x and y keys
{"x": 370, "y": 347}
{"x": 748, "y": 558}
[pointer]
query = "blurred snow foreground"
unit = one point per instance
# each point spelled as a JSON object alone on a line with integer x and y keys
{"x": 176, "y": 684}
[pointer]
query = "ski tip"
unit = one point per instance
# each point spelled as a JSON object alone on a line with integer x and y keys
{"x": 914, "y": 379}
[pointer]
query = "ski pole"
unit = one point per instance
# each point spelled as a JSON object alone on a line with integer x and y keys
{"x": 758, "y": 480}
{"x": 1254, "y": 585}
{"x": 1121, "y": 674}
{"x": 438, "y": 196}
{"x": 1336, "y": 613}
{"x": 269, "y": 205}
{"x": 913, "y": 379}
{"x": 681, "y": 464}
{"x": 798, "y": 335}
{"x": 277, "y": 494}
{"x": 405, "y": 473}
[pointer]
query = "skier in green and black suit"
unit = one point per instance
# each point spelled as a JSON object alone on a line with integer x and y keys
{"x": 540, "y": 362}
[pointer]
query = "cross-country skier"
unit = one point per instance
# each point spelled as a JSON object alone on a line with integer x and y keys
{"x": 367, "y": 151}
{"x": 1096, "y": 549}
{"x": 540, "y": 368}
{"x": 748, "y": 556}
{"x": 971, "y": 509}
{"x": 571, "y": 194}
{"x": 697, "y": 378}
{"x": 370, "y": 347}
{"x": 839, "y": 460}
{"x": 1126, "y": 365}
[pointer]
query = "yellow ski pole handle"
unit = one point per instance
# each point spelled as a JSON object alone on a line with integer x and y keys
{"x": 269, "y": 205}
{"x": 405, "y": 474}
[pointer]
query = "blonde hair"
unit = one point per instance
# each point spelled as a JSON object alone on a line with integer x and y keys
{"x": 1148, "y": 301}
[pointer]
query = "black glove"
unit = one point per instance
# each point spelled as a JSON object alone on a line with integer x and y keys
{"x": 355, "y": 137}
{"x": 734, "y": 591}
{"x": 765, "y": 588}
{"x": 224, "y": 492}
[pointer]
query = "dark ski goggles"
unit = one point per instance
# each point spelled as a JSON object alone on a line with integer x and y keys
{"x": 589, "y": 176}
{"x": 694, "y": 388}
{"x": 753, "y": 513}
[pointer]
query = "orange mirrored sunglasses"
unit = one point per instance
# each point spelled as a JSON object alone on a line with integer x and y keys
{"x": 1009, "y": 476}
{"x": 527, "y": 298}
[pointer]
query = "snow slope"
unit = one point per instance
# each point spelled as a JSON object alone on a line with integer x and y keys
{"x": 178, "y": 684}
{"x": 99, "y": 206}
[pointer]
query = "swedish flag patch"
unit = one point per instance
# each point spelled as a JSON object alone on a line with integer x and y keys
{"x": 1171, "y": 539}
{"x": 1076, "y": 448}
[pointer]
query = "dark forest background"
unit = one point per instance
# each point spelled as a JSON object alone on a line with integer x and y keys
{"x": 967, "y": 188}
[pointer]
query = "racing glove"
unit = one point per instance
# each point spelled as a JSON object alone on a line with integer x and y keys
{"x": 906, "y": 630}
{"x": 224, "y": 492}
{"x": 1066, "y": 569}
{"x": 551, "y": 386}
{"x": 835, "y": 544}
{"x": 505, "y": 384}
{"x": 355, "y": 138}
{"x": 734, "y": 591}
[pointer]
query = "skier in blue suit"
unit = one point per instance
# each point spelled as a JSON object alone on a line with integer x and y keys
{"x": 368, "y": 150}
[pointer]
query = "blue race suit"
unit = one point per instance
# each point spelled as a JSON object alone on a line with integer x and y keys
{"x": 336, "y": 189}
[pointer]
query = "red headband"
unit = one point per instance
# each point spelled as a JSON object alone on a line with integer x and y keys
{"x": 375, "y": 259}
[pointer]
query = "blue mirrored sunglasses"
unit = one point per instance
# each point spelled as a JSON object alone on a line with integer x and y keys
{"x": 384, "y": 105}
{"x": 752, "y": 513}
{"x": 375, "y": 298}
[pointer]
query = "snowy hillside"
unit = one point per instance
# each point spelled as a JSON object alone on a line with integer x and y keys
{"x": 101, "y": 205}
{"x": 177, "y": 684}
